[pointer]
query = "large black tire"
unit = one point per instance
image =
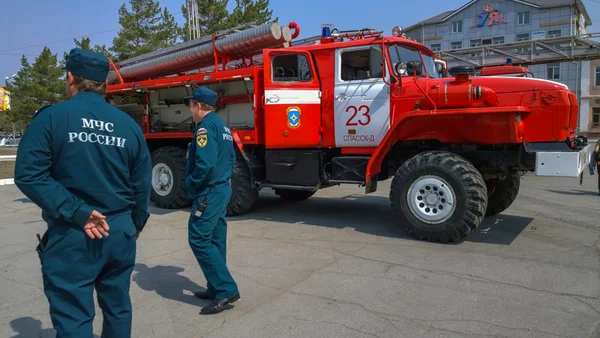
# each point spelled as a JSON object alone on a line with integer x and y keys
{"x": 502, "y": 193}
{"x": 436, "y": 176}
{"x": 170, "y": 161}
{"x": 294, "y": 195}
{"x": 243, "y": 193}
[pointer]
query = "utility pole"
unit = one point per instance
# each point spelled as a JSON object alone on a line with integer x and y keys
{"x": 193, "y": 20}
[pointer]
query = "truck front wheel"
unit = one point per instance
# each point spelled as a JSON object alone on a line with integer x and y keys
{"x": 168, "y": 174}
{"x": 438, "y": 196}
{"x": 502, "y": 193}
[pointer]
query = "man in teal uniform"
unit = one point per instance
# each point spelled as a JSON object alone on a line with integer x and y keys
{"x": 211, "y": 159}
{"x": 86, "y": 165}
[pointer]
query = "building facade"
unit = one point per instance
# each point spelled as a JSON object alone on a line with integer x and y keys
{"x": 487, "y": 23}
{"x": 590, "y": 98}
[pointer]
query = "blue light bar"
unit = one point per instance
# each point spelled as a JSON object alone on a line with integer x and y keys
{"x": 326, "y": 33}
{"x": 509, "y": 61}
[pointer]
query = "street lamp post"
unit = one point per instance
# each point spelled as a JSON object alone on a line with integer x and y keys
{"x": 6, "y": 78}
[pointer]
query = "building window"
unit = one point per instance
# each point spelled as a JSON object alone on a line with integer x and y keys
{"x": 595, "y": 117}
{"x": 520, "y": 38}
{"x": 523, "y": 18}
{"x": 457, "y": 27}
{"x": 456, "y": 45}
{"x": 498, "y": 40}
{"x": 476, "y": 43}
{"x": 436, "y": 47}
{"x": 554, "y": 34}
{"x": 553, "y": 71}
{"x": 597, "y": 82}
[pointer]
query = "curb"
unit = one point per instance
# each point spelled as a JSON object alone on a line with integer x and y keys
{"x": 8, "y": 181}
{"x": 8, "y": 158}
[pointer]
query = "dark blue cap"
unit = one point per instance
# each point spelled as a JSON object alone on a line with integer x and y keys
{"x": 204, "y": 95}
{"x": 87, "y": 64}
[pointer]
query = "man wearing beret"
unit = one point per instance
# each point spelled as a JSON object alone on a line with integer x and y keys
{"x": 210, "y": 164}
{"x": 86, "y": 165}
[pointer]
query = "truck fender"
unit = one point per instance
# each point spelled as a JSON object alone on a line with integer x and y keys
{"x": 240, "y": 147}
{"x": 391, "y": 137}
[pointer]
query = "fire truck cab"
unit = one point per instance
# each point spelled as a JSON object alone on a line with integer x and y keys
{"x": 358, "y": 108}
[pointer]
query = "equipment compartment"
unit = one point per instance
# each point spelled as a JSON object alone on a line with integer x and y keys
{"x": 293, "y": 167}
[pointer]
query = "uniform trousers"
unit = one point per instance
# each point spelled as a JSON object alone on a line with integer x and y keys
{"x": 74, "y": 264}
{"x": 207, "y": 237}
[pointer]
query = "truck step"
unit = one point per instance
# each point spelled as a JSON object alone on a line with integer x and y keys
{"x": 286, "y": 186}
{"x": 349, "y": 169}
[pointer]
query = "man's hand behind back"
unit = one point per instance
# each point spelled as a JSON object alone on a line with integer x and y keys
{"x": 96, "y": 226}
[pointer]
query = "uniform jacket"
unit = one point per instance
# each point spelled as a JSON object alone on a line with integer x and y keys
{"x": 211, "y": 157}
{"x": 81, "y": 155}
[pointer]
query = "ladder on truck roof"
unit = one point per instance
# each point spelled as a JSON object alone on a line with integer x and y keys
{"x": 257, "y": 60}
{"x": 150, "y": 63}
{"x": 532, "y": 52}
{"x": 217, "y": 49}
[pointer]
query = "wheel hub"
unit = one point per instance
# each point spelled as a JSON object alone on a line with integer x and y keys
{"x": 431, "y": 199}
{"x": 162, "y": 179}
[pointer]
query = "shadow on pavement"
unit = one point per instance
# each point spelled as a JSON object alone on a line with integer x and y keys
{"x": 366, "y": 214}
{"x": 154, "y": 210}
{"x": 167, "y": 283}
{"x": 501, "y": 229}
{"x": 28, "y": 327}
{"x": 574, "y": 192}
{"x": 371, "y": 215}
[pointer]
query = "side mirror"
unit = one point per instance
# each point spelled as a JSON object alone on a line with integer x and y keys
{"x": 414, "y": 69}
{"x": 440, "y": 69}
{"x": 375, "y": 61}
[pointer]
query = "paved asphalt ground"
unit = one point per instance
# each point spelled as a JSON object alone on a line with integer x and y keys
{"x": 337, "y": 266}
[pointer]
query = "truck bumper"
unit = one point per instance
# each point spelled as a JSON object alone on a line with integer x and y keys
{"x": 563, "y": 162}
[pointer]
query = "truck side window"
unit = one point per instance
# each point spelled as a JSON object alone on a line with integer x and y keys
{"x": 355, "y": 65}
{"x": 291, "y": 68}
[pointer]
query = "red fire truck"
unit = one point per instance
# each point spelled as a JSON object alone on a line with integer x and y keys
{"x": 354, "y": 107}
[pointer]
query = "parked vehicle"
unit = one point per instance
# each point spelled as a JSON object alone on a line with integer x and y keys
{"x": 353, "y": 107}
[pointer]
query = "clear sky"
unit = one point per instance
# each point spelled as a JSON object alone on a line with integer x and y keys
{"x": 29, "y": 25}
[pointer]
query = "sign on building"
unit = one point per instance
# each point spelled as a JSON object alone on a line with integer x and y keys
{"x": 538, "y": 35}
{"x": 489, "y": 16}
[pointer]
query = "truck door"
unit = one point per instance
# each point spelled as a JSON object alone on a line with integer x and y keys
{"x": 361, "y": 102}
{"x": 292, "y": 100}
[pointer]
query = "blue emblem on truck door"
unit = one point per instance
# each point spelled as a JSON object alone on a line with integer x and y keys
{"x": 293, "y": 115}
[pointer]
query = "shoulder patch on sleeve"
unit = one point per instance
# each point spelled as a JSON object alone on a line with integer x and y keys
{"x": 202, "y": 137}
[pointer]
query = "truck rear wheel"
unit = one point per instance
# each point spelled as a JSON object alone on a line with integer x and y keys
{"x": 243, "y": 193}
{"x": 438, "y": 196}
{"x": 294, "y": 195}
{"x": 168, "y": 174}
{"x": 502, "y": 193}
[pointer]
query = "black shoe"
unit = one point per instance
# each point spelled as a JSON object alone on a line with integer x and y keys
{"x": 203, "y": 295}
{"x": 218, "y": 305}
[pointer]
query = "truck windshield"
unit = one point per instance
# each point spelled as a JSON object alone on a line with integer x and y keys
{"x": 404, "y": 54}
{"x": 430, "y": 65}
